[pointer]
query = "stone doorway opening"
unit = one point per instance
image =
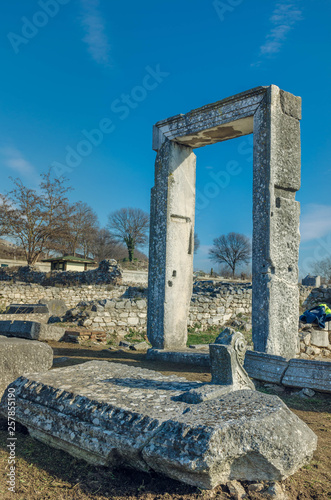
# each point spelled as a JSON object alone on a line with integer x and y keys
{"x": 224, "y": 194}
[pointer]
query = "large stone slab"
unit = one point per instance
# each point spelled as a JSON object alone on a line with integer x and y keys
{"x": 31, "y": 330}
{"x": 320, "y": 338}
{"x": 185, "y": 356}
{"x": 18, "y": 356}
{"x": 315, "y": 375}
{"x": 27, "y": 309}
{"x": 265, "y": 367}
{"x": 112, "y": 414}
{"x": 56, "y": 307}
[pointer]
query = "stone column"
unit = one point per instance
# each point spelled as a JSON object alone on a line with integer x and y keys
{"x": 276, "y": 214}
{"x": 171, "y": 250}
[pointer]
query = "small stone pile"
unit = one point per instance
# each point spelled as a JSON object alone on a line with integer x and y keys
{"x": 314, "y": 343}
{"x": 79, "y": 336}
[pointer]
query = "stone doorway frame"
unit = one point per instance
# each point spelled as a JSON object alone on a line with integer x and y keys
{"x": 273, "y": 116}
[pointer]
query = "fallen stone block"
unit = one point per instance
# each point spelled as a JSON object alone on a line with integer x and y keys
{"x": 319, "y": 338}
{"x": 227, "y": 356}
{"x": 18, "y": 356}
{"x": 139, "y": 346}
{"x": 187, "y": 357}
{"x": 81, "y": 335}
{"x": 56, "y": 307}
{"x": 126, "y": 345}
{"x": 112, "y": 414}
{"x": 31, "y": 330}
{"x": 311, "y": 374}
{"x": 236, "y": 490}
{"x": 27, "y": 309}
{"x": 265, "y": 367}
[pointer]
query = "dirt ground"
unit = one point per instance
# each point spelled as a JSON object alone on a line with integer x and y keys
{"x": 46, "y": 473}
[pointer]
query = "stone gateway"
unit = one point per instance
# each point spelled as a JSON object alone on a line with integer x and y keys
{"x": 273, "y": 116}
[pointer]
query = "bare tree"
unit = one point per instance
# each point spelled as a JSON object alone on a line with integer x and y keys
{"x": 4, "y": 208}
{"x": 105, "y": 247}
{"x": 130, "y": 226}
{"x": 323, "y": 268}
{"x": 34, "y": 219}
{"x": 231, "y": 249}
{"x": 82, "y": 228}
{"x": 196, "y": 242}
{"x": 225, "y": 272}
{"x": 80, "y": 231}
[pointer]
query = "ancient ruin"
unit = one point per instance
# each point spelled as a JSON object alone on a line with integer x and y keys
{"x": 273, "y": 115}
{"x": 202, "y": 434}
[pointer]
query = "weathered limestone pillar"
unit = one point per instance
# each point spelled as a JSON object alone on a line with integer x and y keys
{"x": 170, "y": 278}
{"x": 276, "y": 234}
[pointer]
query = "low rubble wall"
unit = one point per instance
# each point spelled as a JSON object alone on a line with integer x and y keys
{"x": 24, "y": 293}
{"x": 212, "y": 304}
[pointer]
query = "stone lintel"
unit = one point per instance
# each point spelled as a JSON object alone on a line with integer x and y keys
{"x": 226, "y": 119}
{"x": 265, "y": 367}
{"x": 315, "y": 375}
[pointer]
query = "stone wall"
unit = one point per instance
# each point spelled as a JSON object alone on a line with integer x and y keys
{"x": 117, "y": 315}
{"x": 212, "y": 304}
{"x": 304, "y": 293}
{"x": 316, "y": 296}
{"x": 41, "y": 266}
{"x": 108, "y": 272}
{"x": 134, "y": 277}
{"x": 23, "y": 293}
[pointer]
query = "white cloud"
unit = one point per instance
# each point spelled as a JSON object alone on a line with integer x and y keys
{"x": 95, "y": 37}
{"x": 315, "y": 222}
{"x": 283, "y": 18}
{"x": 14, "y": 160}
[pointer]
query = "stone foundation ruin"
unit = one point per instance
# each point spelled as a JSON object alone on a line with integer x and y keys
{"x": 201, "y": 434}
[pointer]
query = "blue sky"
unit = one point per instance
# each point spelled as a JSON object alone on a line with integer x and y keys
{"x": 70, "y": 67}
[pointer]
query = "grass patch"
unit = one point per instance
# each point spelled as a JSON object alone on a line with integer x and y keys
{"x": 201, "y": 338}
{"x": 135, "y": 337}
{"x": 209, "y": 335}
